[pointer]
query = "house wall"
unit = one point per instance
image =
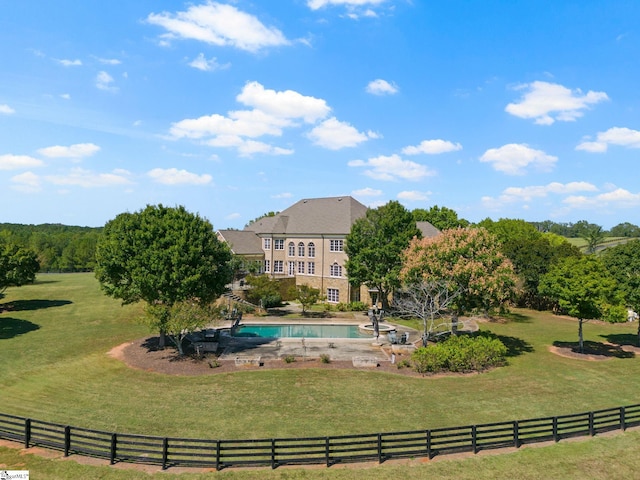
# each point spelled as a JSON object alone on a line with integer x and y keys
{"x": 324, "y": 258}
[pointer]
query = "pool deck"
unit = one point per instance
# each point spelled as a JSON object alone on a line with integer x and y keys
{"x": 336, "y": 348}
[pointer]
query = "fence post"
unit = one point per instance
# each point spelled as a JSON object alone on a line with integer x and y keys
{"x": 327, "y": 451}
{"x": 273, "y": 453}
{"x": 555, "y": 429}
{"x": 623, "y": 419}
{"x": 67, "y": 440}
{"x": 165, "y": 452}
{"x": 516, "y": 439}
{"x": 27, "y": 432}
{"x": 217, "y": 455}
{"x": 592, "y": 427}
{"x": 380, "y": 459}
{"x": 429, "y": 444}
{"x": 474, "y": 439}
{"x": 114, "y": 442}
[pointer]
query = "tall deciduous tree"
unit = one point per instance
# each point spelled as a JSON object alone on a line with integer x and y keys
{"x": 582, "y": 287}
{"x": 162, "y": 256}
{"x": 18, "y": 266}
{"x": 442, "y": 218}
{"x": 470, "y": 260}
{"x": 594, "y": 235}
{"x": 623, "y": 262}
{"x": 375, "y": 245}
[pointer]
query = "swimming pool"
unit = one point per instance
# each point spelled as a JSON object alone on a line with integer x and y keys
{"x": 307, "y": 330}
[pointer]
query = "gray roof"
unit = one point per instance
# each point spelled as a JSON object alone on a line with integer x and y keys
{"x": 427, "y": 229}
{"x": 328, "y": 216}
{"x": 242, "y": 242}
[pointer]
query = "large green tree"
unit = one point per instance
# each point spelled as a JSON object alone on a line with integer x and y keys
{"x": 532, "y": 257}
{"x": 18, "y": 266}
{"x": 623, "y": 262}
{"x": 162, "y": 256}
{"x": 470, "y": 260}
{"x": 375, "y": 245}
{"x": 582, "y": 287}
{"x": 442, "y": 218}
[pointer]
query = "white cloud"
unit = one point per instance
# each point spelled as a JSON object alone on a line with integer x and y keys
{"x": 283, "y": 104}
{"x": 104, "y": 82}
{"x": 514, "y": 159}
{"x": 334, "y": 135}
{"x": 218, "y": 24}
{"x": 77, "y": 151}
{"x": 108, "y": 61}
{"x": 381, "y": 87}
{"x": 413, "y": 196}
{"x": 246, "y": 123}
{"x": 247, "y": 148}
{"x": 173, "y": 176}
{"x": 6, "y": 109}
{"x": 17, "y": 162}
{"x": 531, "y": 193}
{"x": 65, "y": 96}
{"x": 27, "y": 182}
{"x": 88, "y": 179}
{"x": 207, "y": 64}
{"x": 70, "y": 63}
{"x": 621, "y": 136}
{"x": 317, "y": 4}
{"x": 392, "y": 167}
{"x": 432, "y": 147}
{"x": 549, "y": 102}
{"x": 367, "y": 192}
{"x": 274, "y": 110}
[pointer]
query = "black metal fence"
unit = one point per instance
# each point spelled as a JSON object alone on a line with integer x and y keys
{"x": 189, "y": 452}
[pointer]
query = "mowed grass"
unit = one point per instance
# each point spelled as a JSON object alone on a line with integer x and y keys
{"x": 55, "y": 367}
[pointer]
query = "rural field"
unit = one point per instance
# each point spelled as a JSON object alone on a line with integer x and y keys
{"x": 55, "y": 336}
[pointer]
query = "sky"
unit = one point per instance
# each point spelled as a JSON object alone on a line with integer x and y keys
{"x": 525, "y": 109}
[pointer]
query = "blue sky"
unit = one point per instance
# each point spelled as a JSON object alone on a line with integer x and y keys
{"x": 500, "y": 109}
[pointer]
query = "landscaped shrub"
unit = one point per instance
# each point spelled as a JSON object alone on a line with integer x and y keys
{"x": 614, "y": 313}
{"x": 289, "y": 359}
{"x": 358, "y": 307}
{"x": 324, "y": 358}
{"x": 461, "y": 353}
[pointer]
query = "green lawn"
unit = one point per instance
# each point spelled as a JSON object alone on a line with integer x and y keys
{"x": 53, "y": 347}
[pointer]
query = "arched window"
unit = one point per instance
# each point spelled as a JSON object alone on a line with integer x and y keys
{"x": 292, "y": 249}
{"x": 312, "y": 249}
{"x": 301, "y": 249}
{"x": 335, "y": 270}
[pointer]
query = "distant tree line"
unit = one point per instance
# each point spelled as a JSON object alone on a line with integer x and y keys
{"x": 58, "y": 248}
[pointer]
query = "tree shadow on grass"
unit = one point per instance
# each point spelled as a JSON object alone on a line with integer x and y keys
{"x": 595, "y": 348}
{"x": 516, "y": 317}
{"x": 622, "y": 339}
{"x": 24, "y": 305}
{"x": 12, "y": 327}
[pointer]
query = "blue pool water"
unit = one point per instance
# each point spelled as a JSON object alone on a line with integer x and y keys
{"x": 300, "y": 331}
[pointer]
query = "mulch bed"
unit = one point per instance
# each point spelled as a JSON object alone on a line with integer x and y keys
{"x": 144, "y": 354}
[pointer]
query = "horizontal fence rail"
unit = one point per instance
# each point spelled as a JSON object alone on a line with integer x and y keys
{"x": 189, "y": 452}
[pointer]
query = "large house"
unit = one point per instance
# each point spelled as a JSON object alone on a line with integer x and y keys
{"x": 306, "y": 241}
